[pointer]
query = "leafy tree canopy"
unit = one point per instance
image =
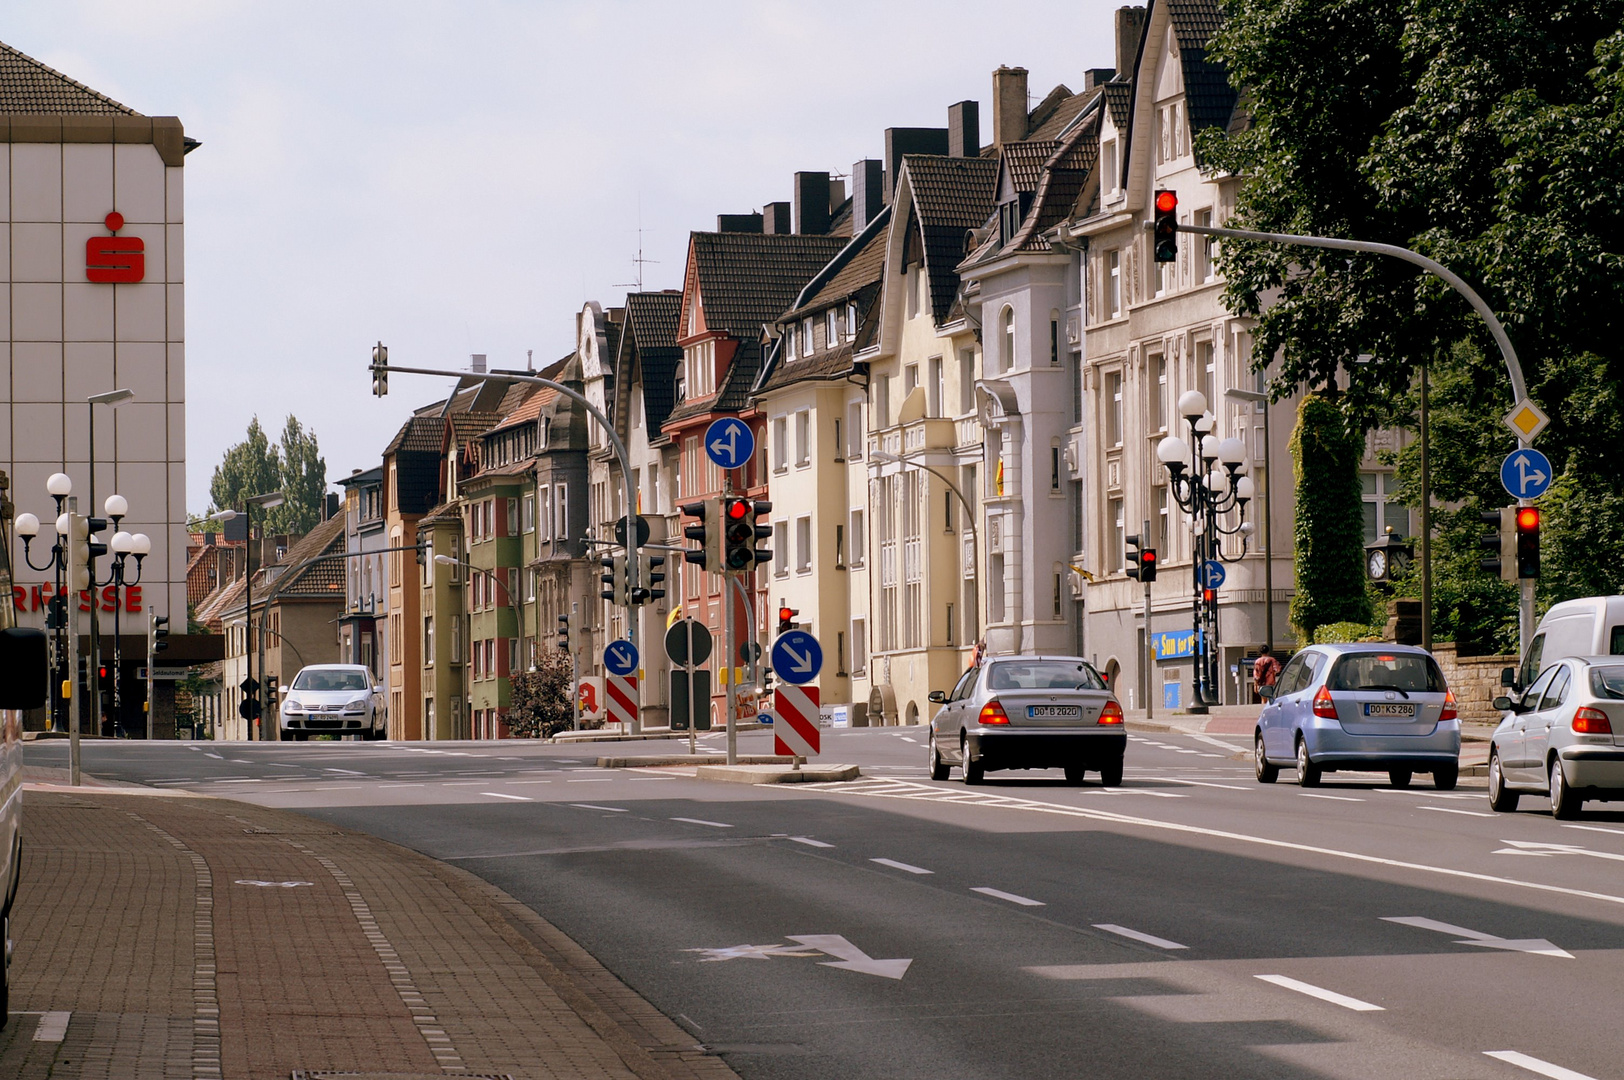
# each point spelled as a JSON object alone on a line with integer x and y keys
{"x": 256, "y": 465}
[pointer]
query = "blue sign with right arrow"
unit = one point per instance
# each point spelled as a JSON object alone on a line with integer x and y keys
{"x": 1526, "y": 473}
{"x": 1212, "y": 574}
{"x": 797, "y": 657}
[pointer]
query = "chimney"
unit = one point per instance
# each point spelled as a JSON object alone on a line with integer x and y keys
{"x": 811, "y": 203}
{"x": 902, "y": 141}
{"x": 1009, "y": 103}
{"x": 329, "y": 506}
{"x": 1096, "y": 76}
{"x": 775, "y": 219}
{"x": 964, "y": 129}
{"x": 738, "y": 223}
{"x": 476, "y": 363}
{"x": 867, "y": 192}
{"x": 1130, "y": 27}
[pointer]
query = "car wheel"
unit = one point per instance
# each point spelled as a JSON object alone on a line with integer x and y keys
{"x": 1075, "y": 774}
{"x": 939, "y": 769}
{"x": 973, "y": 771}
{"x": 1308, "y": 774}
{"x": 1501, "y": 798}
{"x": 1111, "y": 773}
{"x": 1266, "y": 773}
{"x": 1399, "y": 778}
{"x": 1564, "y": 803}
{"x": 1444, "y": 777}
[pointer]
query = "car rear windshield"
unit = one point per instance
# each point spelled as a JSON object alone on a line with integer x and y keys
{"x": 1044, "y": 675}
{"x": 1387, "y": 671}
{"x": 330, "y": 680}
{"x": 1607, "y": 682}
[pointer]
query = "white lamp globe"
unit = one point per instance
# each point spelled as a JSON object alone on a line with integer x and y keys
{"x": 1243, "y": 468}
{"x": 1209, "y": 448}
{"x": 1244, "y": 489}
{"x": 121, "y": 542}
{"x": 62, "y": 525}
{"x": 1204, "y": 424}
{"x": 117, "y": 506}
{"x": 1246, "y": 528}
{"x": 141, "y": 545}
{"x": 1232, "y": 451}
{"x": 1192, "y": 404}
{"x": 1217, "y": 482}
{"x": 1172, "y": 451}
{"x": 59, "y": 485}
{"x": 27, "y": 526}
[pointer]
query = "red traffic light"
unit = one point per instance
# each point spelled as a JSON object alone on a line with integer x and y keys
{"x": 737, "y": 508}
{"x": 1147, "y": 556}
{"x": 1167, "y": 202}
{"x": 785, "y": 614}
{"x": 1527, "y": 518}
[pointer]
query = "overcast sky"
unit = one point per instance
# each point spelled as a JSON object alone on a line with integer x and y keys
{"x": 457, "y": 178}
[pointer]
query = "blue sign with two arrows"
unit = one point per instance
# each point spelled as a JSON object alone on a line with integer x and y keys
{"x": 729, "y": 442}
{"x": 1526, "y": 473}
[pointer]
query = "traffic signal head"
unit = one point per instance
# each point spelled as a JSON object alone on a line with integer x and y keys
{"x": 616, "y": 591}
{"x": 1165, "y": 230}
{"x": 564, "y": 632}
{"x": 786, "y": 619}
{"x": 649, "y": 575}
{"x": 1147, "y": 565}
{"x": 708, "y": 532}
{"x": 1131, "y": 562}
{"x": 380, "y": 370}
{"x": 738, "y": 535}
{"x": 1528, "y": 541}
{"x": 1492, "y": 542}
{"x": 760, "y": 509}
{"x": 160, "y": 633}
{"x": 422, "y": 550}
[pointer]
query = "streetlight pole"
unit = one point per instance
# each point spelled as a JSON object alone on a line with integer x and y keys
{"x": 112, "y": 399}
{"x": 1268, "y": 514}
{"x": 268, "y": 501}
{"x": 122, "y": 546}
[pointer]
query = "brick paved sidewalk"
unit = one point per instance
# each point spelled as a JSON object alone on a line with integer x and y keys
{"x": 162, "y": 936}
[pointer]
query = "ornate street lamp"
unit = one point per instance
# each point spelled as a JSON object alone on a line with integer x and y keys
{"x": 59, "y": 486}
{"x": 1208, "y": 478}
{"x": 122, "y": 546}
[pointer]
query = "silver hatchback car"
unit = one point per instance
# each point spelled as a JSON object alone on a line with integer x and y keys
{"x": 1565, "y": 738}
{"x": 1028, "y": 712}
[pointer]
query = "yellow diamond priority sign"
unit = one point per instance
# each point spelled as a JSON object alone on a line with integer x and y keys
{"x": 1527, "y": 420}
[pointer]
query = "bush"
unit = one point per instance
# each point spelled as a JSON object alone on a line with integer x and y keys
{"x": 542, "y": 704}
{"x": 1329, "y": 527}
{"x": 1339, "y": 633}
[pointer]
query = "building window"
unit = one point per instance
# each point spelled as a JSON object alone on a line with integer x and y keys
{"x": 1054, "y": 339}
{"x": 840, "y": 545}
{"x": 803, "y": 438}
{"x": 859, "y": 646}
{"x": 513, "y": 655}
{"x": 1113, "y": 408}
{"x": 1108, "y": 166}
{"x": 428, "y": 640}
{"x": 780, "y": 443}
{"x": 851, "y": 321}
{"x": 1058, "y": 583}
{"x": 1376, "y": 489}
{"x": 1203, "y": 247}
{"x": 859, "y": 538}
{"x": 854, "y": 432}
{"x": 529, "y": 513}
{"x": 428, "y": 716}
{"x": 1206, "y": 371}
{"x": 880, "y": 409}
{"x": 831, "y": 327}
{"x": 1158, "y": 393}
{"x": 1008, "y": 359}
{"x": 789, "y": 346}
{"x": 995, "y": 588}
{"x": 910, "y": 379}
{"x": 512, "y": 516}
{"x": 780, "y": 548}
{"x": 1114, "y": 557}
{"x": 913, "y": 290}
{"x": 1113, "y": 283}
{"x": 936, "y": 389}
{"x": 967, "y": 381}
{"x": 561, "y": 508}
{"x": 1054, "y": 466}
{"x": 803, "y": 545}
{"x": 513, "y": 585}
{"x": 806, "y": 336}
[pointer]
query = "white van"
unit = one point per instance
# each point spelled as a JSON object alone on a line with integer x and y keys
{"x": 1593, "y": 626}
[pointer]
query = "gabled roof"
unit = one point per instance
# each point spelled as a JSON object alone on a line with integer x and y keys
{"x": 422, "y": 434}
{"x": 324, "y": 579}
{"x": 1209, "y": 99}
{"x": 1055, "y": 113}
{"x": 1118, "y": 102}
{"x": 650, "y": 330}
{"x": 746, "y": 280}
{"x": 28, "y": 86}
{"x": 1064, "y": 176}
{"x": 734, "y": 392}
{"x": 951, "y": 195}
{"x": 1025, "y": 162}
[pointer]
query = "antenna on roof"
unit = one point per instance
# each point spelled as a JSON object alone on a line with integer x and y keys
{"x": 639, "y": 260}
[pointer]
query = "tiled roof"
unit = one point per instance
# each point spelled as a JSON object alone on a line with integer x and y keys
{"x": 448, "y": 511}
{"x": 1065, "y": 173}
{"x": 466, "y": 426}
{"x": 651, "y": 322}
{"x": 325, "y": 578}
{"x": 733, "y": 394}
{"x": 28, "y": 86}
{"x": 1209, "y": 99}
{"x": 862, "y": 263}
{"x": 1060, "y": 108}
{"x": 419, "y": 434}
{"x": 529, "y": 406}
{"x": 746, "y": 280}
{"x": 1025, "y": 161}
{"x": 950, "y": 196}
{"x": 1119, "y": 102}
{"x": 830, "y": 365}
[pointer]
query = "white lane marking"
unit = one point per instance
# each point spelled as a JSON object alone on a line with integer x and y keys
{"x": 850, "y": 958}
{"x": 1535, "y": 1065}
{"x": 893, "y": 864}
{"x": 906, "y": 739}
{"x": 1196, "y": 783}
{"x": 1323, "y": 994}
{"x": 240, "y": 761}
{"x": 1210, "y": 741}
{"x": 516, "y": 783}
{"x": 273, "y": 884}
{"x": 515, "y": 798}
{"x": 216, "y": 757}
{"x": 702, "y": 821}
{"x": 591, "y": 780}
{"x": 53, "y": 1027}
{"x": 1148, "y": 939}
{"x": 462, "y": 783}
{"x": 589, "y": 806}
{"x": 1562, "y": 849}
{"x": 1426, "y": 794}
{"x": 808, "y": 841}
{"x": 1338, "y": 798}
{"x": 1453, "y": 810}
{"x": 347, "y": 772}
{"x": 1538, "y": 946}
{"x": 1011, "y": 897}
{"x": 1182, "y": 750}
{"x": 1596, "y": 828}
{"x": 281, "y": 765}
{"x": 902, "y": 789}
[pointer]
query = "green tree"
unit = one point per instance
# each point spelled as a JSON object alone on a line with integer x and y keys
{"x": 251, "y": 467}
{"x": 1330, "y": 549}
{"x": 256, "y": 465}
{"x": 543, "y": 699}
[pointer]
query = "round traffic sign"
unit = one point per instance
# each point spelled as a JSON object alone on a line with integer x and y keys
{"x": 1212, "y": 574}
{"x": 677, "y": 638}
{"x": 729, "y": 442}
{"x": 749, "y": 651}
{"x": 797, "y": 657}
{"x": 1526, "y": 473}
{"x": 620, "y": 658}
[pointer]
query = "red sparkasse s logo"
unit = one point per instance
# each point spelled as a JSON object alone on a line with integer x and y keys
{"x": 115, "y": 259}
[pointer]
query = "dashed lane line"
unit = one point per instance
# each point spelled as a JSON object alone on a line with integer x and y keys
{"x": 1454, "y": 810}
{"x": 702, "y": 821}
{"x": 999, "y": 894}
{"x": 1323, "y": 994}
{"x": 590, "y": 806}
{"x": 1535, "y": 1065}
{"x": 808, "y": 841}
{"x": 515, "y": 798}
{"x": 1337, "y": 798}
{"x": 1148, "y": 939}
{"x": 908, "y": 867}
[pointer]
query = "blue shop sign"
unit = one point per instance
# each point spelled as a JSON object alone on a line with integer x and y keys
{"x": 1174, "y": 644}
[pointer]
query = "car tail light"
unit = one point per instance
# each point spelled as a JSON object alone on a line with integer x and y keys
{"x": 1588, "y": 721}
{"x": 1111, "y": 714}
{"x": 992, "y": 713}
{"x": 1450, "y": 712}
{"x": 1323, "y": 705}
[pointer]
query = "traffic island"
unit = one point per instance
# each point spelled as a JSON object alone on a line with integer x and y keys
{"x": 777, "y": 774}
{"x": 655, "y": 761}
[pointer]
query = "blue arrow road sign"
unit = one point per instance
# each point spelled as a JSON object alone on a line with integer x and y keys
{"x": 1212, "y": 574}
{"x": 1526, "y": 473}
{"x": 729, "y": 442}
{"x": 620, "y": 658}
{"x": 797, "y": 657}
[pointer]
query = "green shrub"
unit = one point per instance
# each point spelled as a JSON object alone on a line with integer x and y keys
{"x": 1329, "y": 526}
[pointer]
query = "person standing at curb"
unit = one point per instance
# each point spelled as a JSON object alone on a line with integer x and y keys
{"x": 1265, "y": 669}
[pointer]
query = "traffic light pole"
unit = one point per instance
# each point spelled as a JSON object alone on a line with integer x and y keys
{"x": 152, "y": 660}
{"x": 729, "y": 634}
{"x": 1149, "y": 658}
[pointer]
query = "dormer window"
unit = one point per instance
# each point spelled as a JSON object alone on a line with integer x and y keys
{"x": 1009, "y": 220}
{"x": 831, "y": 329}
{"x": 680, "y": 388}
{"x": 789, "y": 342}
{"x": 1108, "y": 167}
{"x": 806, "y": 336}
{"x": 851, "y": 320}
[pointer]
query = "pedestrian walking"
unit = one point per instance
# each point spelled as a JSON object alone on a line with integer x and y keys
{"x": 1265, "y": 669}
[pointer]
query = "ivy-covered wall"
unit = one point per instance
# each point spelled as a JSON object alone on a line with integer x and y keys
{"x": 1329, "y": 526}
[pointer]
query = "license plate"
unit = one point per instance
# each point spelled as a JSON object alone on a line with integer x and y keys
{"x": 1053, "y": 712}
{"x": 1390, "y": 710}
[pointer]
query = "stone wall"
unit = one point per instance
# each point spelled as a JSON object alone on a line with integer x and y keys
{"x": 1475, "y": 681}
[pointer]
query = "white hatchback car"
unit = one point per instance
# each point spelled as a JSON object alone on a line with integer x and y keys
{"x": 333, "y": 699}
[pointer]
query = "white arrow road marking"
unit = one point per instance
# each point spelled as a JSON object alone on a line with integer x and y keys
{"x": 274, "y": 884}
{"x": 1538, "y": 946}
{"x": 902, "y": 866}
{"x": 1323, "y": 994}
{"x": 1011, "y": 897}
{"x": 1148, "y": 939}
{"x": 749, "y": 952}
{"x": 1535, "y": 1065}
{"x": 850, "y": 957}
{"x": 1561, "y": 849}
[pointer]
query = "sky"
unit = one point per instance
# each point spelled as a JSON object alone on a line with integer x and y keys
{"x": 459, "y": 178}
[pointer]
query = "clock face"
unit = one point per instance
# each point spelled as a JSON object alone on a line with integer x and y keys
{"x": 1377, "y": 563}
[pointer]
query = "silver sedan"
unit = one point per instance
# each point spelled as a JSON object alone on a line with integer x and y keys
{"x": 1564, "y": 738}
{"x": 1028, "y": 712}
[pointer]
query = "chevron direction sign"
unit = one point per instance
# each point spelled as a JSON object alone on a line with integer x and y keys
{"x": 796, "y": 729}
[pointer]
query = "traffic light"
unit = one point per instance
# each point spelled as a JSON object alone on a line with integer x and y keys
{"x": 617, "y": 591}
{"x": 1147, "y": 565}
{"x": 650, "y": 572}
{"x": 1528, "y": 541}
{"x": 786, "y": 619}
{"x": 95, "y": 548}
{"x": 1493, "y": 542}
{"x": 708, "y": 532}
{"x": 564, "y": 632}
{"x": 758, "y": 510}
{"x": 422, "y": 550}
{"x": 1131, "y": 561}
{"x": 380, "y": 370}
{"x": 78, "y": 564}
{"x": 738, "y": 535}
{"x": 1166, "y": 228}
{"x": 160, "y": 633}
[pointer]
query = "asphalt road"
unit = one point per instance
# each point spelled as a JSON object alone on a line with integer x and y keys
{"x": 1192, "y": 923}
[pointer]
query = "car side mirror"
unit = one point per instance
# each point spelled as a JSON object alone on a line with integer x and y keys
{"x": 1266, "y": 693}
{"x": 937, "y": 696}
{"x": 1504, "y": 704}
